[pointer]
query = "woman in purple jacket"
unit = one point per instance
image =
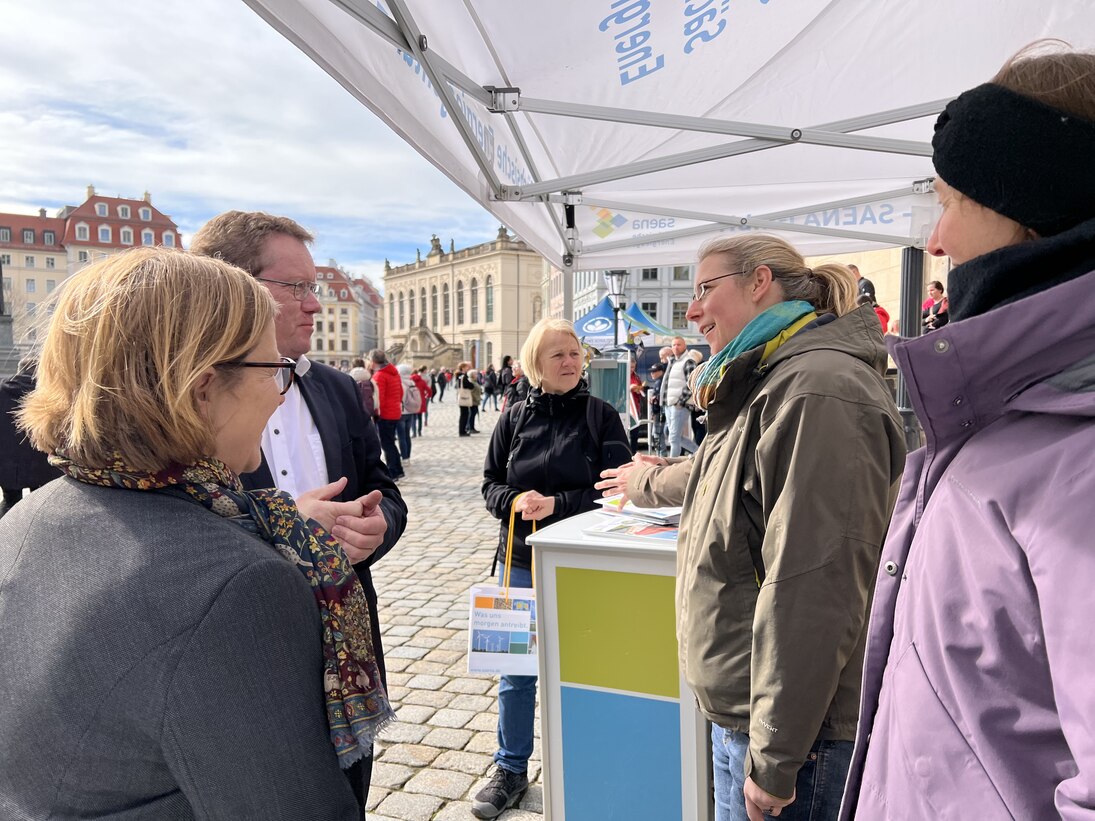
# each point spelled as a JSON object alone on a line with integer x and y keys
{"x": 979, "y": 681}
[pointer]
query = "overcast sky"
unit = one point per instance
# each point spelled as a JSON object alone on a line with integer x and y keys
{"x": 204, "y": 105}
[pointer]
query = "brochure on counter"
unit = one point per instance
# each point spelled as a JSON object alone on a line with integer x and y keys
{"x": 619, "y": 526}
{"x": 658, "y": 515}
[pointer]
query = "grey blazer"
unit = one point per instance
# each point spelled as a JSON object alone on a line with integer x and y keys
{"x": 156, "y": 662}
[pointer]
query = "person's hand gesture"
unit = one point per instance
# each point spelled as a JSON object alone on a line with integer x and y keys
{"x": 359, "y": 525}
{"x": 759, "y": 803}
{"x": 614, "y": 480}
{"x": 533, "y": 506}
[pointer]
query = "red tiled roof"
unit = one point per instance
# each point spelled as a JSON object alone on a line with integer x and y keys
{"x": 334, "y": 278}
{"x": 85, "y": 213}
{"x": 40, "y": 225}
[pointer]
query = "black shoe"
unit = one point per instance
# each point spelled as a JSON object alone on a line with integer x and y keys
{"x": 474, "y": 430}
{"x": 502, "y": 792}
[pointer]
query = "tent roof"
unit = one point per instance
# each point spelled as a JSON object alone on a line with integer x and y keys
{"x": 641, "y": 319}
{"x": 625, "y": 133}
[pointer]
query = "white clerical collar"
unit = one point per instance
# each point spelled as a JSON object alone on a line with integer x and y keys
{"x": 303, "y": 365}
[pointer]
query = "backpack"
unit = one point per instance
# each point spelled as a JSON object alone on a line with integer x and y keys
{"x": 365, "y": 394}
{"x": 412, "y": 398}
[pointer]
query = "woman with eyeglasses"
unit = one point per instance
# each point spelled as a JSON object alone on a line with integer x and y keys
{"x": 172, "y": 646}
{"x": 786, "y": 504}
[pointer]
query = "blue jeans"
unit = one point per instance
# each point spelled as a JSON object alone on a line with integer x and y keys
{"x": 679, "y": 422}
{"x": 516, "y": 703}
{"x": 404, "y": 433}
{"x": 818, "y": 790}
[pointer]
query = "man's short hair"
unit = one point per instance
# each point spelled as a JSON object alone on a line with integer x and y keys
{"x": 238, "y": 237}
{"x": 854, "y": 268}
{"x": 378, "y": 357}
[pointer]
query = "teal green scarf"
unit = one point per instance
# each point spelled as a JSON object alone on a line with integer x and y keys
{"x": 764, "y": 327}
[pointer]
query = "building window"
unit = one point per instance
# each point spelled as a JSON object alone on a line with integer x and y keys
{"x": 344, "y": 327}
{"x": 402, "y": 310}
{"x": 81, "y": 256}
{"x": 49, "y": 238}
{"x": 146, "y": 214}
{"x": 28, "y": 262}
{"x": 81, "y": 232}
{"x": 50, "y": 285}
{"x": 422, "y": 305}
{"x": 51, "y": 262}
{"x": 650, "y": 274}
{"x": 650, "y": 309}
{"x": 104, "y": 233}
{"x": 127, "y": 236}
{"x": 31, "y": 285}
{"x": 490, "y": 299}
{"x": 31, "y": 308}
{"x": 680, "y": 321}
{"x": 343, "y": 293}
{"x": 445, "y": 302}
{"x": 682, "y": 272}
{"x": 490, "y": 352}
{"x": 475, "y": 302}
{"x": 7, "y": 284}
{"x": 345, "y": 345}
{"x": 319, "y": 344}
{"x": 391, "y": 312}
{"x": 5, "y": 235}
{"x": 100, "y": 209}
{"x": 148, "y": 238}
{"x": 319, "y": 326}
{"x": 410, "y": 299}
{"x": 330, "y": 293}
{"x": 5, "y": 259}
{"x": 123, "y": 211}
{"x": 433, "y": 306}
{"x": 28, "y": 236}
{"x": 168, "y": 239}
{"x": 343, "y": 311}
{"x": 459, "y": 303}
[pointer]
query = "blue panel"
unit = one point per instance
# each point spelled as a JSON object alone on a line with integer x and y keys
{"x": 621, "y": 757}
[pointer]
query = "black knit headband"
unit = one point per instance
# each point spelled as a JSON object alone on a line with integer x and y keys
{"x": 1019, "y": 157}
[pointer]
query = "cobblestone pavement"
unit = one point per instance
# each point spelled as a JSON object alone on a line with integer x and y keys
{"x": 434, "y": 759}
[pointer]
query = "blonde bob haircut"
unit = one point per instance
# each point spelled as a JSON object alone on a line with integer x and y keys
{"x": 530, "y": 351}
{"x": 128, "y": 340}
{"x": 830, "y": 288}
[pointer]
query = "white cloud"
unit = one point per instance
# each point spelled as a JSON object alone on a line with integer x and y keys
{"x": 204, "y": 105}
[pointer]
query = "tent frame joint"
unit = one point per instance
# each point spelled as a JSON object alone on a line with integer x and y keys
{"x": 503, "y": 100}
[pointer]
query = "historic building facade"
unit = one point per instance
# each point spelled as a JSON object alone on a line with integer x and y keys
{"x": 476, "y": 304}
{"x": 38, "y": 252}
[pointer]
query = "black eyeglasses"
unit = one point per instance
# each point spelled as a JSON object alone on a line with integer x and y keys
{"x": 284, "y": 362}
{"x": 300, "y": 289}
{"x": 704, "y": 290}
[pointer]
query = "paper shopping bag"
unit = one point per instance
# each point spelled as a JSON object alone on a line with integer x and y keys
{"x": 502, "y": 623}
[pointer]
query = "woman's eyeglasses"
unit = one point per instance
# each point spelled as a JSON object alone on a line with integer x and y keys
{"x": 704, "y": 288}
{"x": 284, "y": 362}
{"x": 300, "y": 289}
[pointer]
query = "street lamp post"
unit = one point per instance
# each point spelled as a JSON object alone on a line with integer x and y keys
{"x": 616, "y": 280}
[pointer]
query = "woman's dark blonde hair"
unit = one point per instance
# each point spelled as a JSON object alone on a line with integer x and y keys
{"x": 830, "y": 288}
{"x": 128, "y": 340}
{"x": 1052, "y": 73}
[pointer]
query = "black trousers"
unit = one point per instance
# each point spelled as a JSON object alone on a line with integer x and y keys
{"x": 386, "y": 428}
{"x": 464, "y": 412}
{"x": 360, "y": 776}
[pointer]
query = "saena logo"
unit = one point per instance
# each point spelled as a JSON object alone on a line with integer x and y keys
{"x": 607, "y": 222}
{"x": 597, "y": 325}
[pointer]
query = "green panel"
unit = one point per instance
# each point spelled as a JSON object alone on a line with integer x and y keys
{"x": 616, "y": 630}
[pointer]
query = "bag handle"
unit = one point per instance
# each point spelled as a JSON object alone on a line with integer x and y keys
{"x": 509, "y": 548}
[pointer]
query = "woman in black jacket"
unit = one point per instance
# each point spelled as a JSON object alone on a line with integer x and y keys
{"x": 545, "y": 455}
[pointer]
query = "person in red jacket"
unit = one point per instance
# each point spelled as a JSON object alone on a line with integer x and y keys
{"x": 419, "y": 379}
{"x": 389, "y": 404}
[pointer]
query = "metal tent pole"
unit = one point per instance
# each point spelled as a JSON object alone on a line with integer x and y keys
{"x": 912, "y": 286}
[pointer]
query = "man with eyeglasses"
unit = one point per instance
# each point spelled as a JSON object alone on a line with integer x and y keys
{"x": 319, "y": 446}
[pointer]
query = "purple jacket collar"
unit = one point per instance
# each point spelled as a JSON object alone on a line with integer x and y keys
{"x": 1037, "y": 354}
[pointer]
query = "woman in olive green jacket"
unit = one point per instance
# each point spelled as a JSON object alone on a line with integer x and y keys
{"x": 785, "y": 510}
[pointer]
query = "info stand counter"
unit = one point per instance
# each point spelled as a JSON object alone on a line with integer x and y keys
{"x": 620, "y": 732}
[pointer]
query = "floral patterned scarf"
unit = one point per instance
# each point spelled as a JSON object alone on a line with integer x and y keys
{"x": 357, "y": 706}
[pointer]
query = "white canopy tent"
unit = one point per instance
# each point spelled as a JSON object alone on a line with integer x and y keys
{"x": 616, "y": 133}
